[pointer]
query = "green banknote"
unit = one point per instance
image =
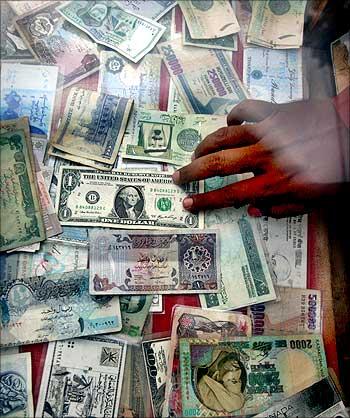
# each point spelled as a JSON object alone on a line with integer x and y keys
{"x": 20, "y": 205}
{"x": 134, "y": 310}
{"x": 169, "y": 137}
{"x": 245, "y": 376}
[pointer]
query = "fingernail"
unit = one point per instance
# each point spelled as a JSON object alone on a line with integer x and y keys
{"x": 254, "y": 212}
{"x": 176, "y": 177}
{"x": 193, "y": 156}
{"x": 187, "y": 203}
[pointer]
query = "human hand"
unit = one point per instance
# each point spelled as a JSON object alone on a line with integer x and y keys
{"x": 298, "y": 153}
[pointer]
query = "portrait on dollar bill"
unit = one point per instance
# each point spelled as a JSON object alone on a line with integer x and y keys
{"x": 129, "y": 203}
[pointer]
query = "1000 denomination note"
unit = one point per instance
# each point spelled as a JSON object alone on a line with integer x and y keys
{"x": 125, "y": 263}
{"x": 93, "y": 125}
{"x": 148, "y": 200}
{"x": 108, "y": 24}
{"x": 206, "y": 79}
{"x": 54, "y": 307}
{"x": 82, "y": 377}
{"x": 169, "y": 137}
{"x": 245, "y": 376}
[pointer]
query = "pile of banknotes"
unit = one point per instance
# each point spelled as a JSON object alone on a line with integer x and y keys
{"x": 115, "y": 301}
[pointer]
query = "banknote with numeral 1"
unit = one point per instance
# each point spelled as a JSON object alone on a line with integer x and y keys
{"x": 178, "y": 261}
{"x": 82, "y": 377}
{"x": 146, "y": 200}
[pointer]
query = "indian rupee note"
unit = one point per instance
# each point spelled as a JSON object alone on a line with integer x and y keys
{"x": 245, "y": 376}
{"x": 16, "y": 386}
{"x": 53, "y": 40}
{"x": 54, "y": 307}
{"x": 82, "y": 376}
{"x": 169, "y": 137}
{"x": 156, "y": 354}
{"x": 108, "y": 24}
{"x": 147, "y": 200}
{"x": 321, "y": 400}
{"x": 134, "y": 311}
{"x": 152, "y": 9}
{"x": 298, "y": 311}
{"x": 277, "y": 24}
{"x": 93, "y": 125}
{"x": 209, "y": 19}
{"x": 29, "y": 90}
{"x": 159, "y": 262}
{"x": 20, "y": 204}
{"x": 188, "y": 322}
{"x": 205, "y": 79}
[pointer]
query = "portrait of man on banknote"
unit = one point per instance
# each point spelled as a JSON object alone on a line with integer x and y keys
{"x": 129, "y": 203}
{"x": 220, "y": 384}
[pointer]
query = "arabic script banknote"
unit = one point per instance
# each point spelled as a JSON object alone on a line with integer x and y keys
{"x": 126, "y": 263}
{"x": 134, "y": 311}
{"x": 54, "y": 307}
{"x": 152, "y": 9}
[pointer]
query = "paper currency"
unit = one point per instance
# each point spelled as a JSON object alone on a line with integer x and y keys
{"x": 54, "y": 307}
{"x": 11, "y": 43}
{"x": 93, "y": 125}
{"x": 228, "y": 43}
{"x": 273, "y": 75}
{"x": 175, "y": 101}
{"x": 53, "y": 40}
{"x": 73, "y": 236}
{"x": 152, "y": 9}
{"x": 135, "y": 398}
{"x": 211, "y": 19}
{"x": 205, "y": 79}
{"x": 126, "y": 263}
{"x": 286, "y": 242}
{"x": 27, "y": 248}
{"x": 157, "y": 304}
{"x": 169, "y": 137}
{"x": 141, "y": 82}
{"x": 243, "y": 13}
{"x": 21, "y": 7}
{"x": 246, "y": 376}
{"x": 341, "y": 61}
{"x": 298, "y": 311}
{"x": 39, "y": 148}
{"x": 82, "y": 377}
{"x": 52, "y": 258}
{"x": 148, "y": 200}
{"x": 134, "y": 311}
{"x": 19, "y": 201}
{"x": 321, "y": 400}
{"x": 16, "y": 400}
{"x": 107, "y": 24}
{"x": 277, "y": 24}
{"x": 156, "y": 353}
{"x": 246, "y": 276}
{"x": 28, "y": 90}
{"x": 190, "y": 322}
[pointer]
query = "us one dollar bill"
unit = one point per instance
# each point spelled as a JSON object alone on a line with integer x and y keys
{"x": 82, "y": 376}
{"x": 169, "y": 137}
{"x": 245, "y": 376}
{"x": 277, "y": 24}
{"x": 108, "y": 24}
{"x": 321, "y": 400}
{"x": 134, "y": 311}
{"x": 211, "y": 19}
{"x": 147, "y": 200}
{"x": 16, "y": 386}
{"x": 93, "y": 125}
{"x": 20, "y": 204}
{"x": 152, "y": 9}
{"x": 53, "y": 40}
{"x": 54, "y": 307}
{"x": 188, "y": 322}
{"x": 156, "y": 354}
{"x": 126, "y": 263}
{"x": 298, "y": 311}
{"x": 205, "y": 79}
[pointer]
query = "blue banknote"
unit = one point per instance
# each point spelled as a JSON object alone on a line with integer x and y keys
{"x": 54, "y": 307}
{"x": 29, "y": 90}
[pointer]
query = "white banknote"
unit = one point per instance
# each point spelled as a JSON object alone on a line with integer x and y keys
{"x": 82, "y": 377}
{"x": 152, "y": 9}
